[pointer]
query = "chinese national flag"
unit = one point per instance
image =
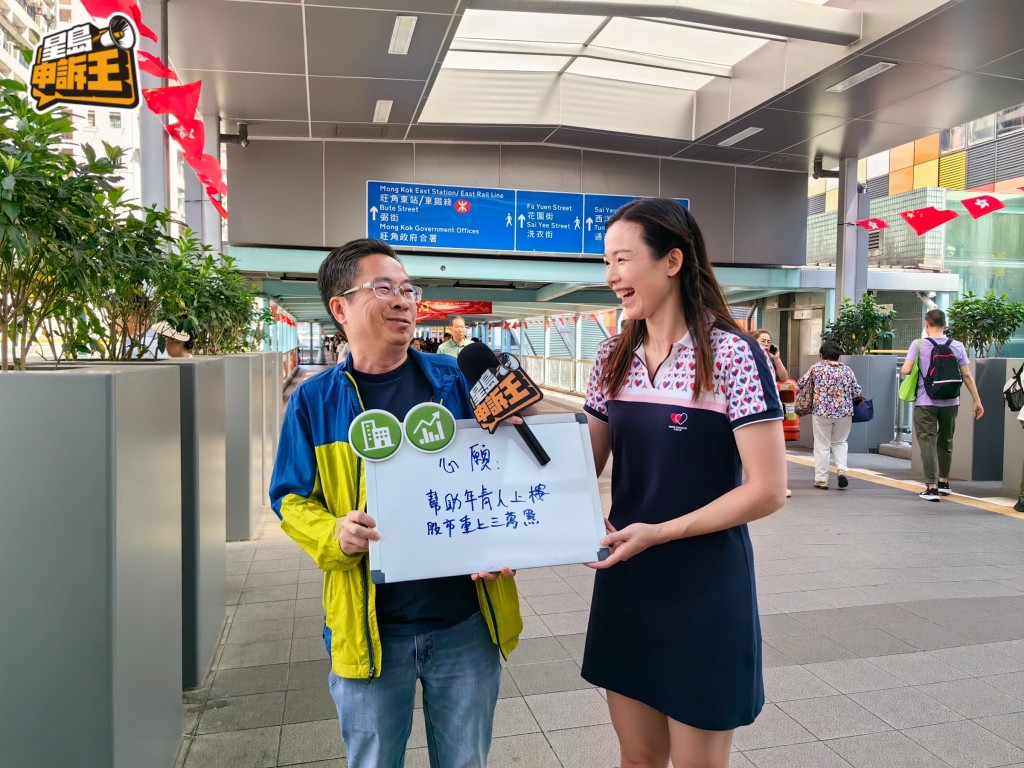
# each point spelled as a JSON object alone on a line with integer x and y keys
{"x": 177, "y": 100}
{"x": 924, "y": 219}
{"x": 190, "y": 135}
{"x": 103, "y": 9}
{"x": 153, "y": 66}
{"x": 982, "y": 205}
{"x": 873, "y": 224}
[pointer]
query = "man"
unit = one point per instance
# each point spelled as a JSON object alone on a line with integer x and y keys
{"x": 445, "y": 632}
{"x": 458, "y": 340}
{"x": 935, "y": 419}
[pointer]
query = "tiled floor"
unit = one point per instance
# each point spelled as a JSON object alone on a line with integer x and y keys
{"x": 893, "y": 638}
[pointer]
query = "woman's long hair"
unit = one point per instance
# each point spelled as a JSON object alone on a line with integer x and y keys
{"x": 665, "y": 225}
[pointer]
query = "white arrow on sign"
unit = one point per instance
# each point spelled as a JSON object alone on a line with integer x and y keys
{"x": 522, "y": 220}
{"x": 590, "y": 223}
{"x": 373, "y": 212}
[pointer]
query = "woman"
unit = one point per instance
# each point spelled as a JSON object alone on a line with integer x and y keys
{"x": 687, "y": 405}
{"x": 764, "y": 338}
{"x": 835, "y": 389}
{"x": 779, "y": 372}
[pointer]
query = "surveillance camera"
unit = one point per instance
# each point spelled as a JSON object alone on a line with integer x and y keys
{"x": 243, "y": 143}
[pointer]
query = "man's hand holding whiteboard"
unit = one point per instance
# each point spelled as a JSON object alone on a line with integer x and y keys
{"x": 482, "y": 504}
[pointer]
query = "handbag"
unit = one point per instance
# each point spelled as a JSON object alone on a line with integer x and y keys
{"x": 908, "y": 387}
{"x": 805, "y": 398}
{"x": 863, "y": 410}
{"x": 1013, "y": 392}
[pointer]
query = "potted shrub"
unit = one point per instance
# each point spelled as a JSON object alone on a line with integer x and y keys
{"x": 984, "y": 324}
{"x": 861, "y": 327}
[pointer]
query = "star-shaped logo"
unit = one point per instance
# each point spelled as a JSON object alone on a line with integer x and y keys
{"x": 982, "y": 203}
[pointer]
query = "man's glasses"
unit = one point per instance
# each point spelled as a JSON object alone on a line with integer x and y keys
{"x": 385, "y": 290}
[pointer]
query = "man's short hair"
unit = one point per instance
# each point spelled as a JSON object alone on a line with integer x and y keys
{"x": 935, "y": 318}
{"x": 452, "y": 320}
{"x": 338, "y": 271}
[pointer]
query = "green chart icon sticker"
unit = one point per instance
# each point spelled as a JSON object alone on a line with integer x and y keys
{"x": 375, "y": 435}
{"x": 429, "y": 427}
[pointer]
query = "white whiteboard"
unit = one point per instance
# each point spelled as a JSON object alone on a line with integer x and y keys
{"x": 424, "y": 536}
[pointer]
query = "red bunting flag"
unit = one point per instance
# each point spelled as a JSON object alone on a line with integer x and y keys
{"x": 153, "y": 66}
{"x": 177, "y": 100}
{"x": 189, "y": 134}
{"x": 207, "y": 168}
{"x": 924, "y": 219}
{"x": 219, "y": 207}
{"x": 982, "y": 205}
{"x": 873, "y": 224}
{"x": 103, "y": 9}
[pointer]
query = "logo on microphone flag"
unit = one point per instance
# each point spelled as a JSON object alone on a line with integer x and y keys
{"x": 502, "y": 392}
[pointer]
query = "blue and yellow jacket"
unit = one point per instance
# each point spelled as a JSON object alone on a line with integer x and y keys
{"x": 318, "y": 478}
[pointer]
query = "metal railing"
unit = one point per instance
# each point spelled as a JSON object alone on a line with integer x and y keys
{"x": 564, "y": 374}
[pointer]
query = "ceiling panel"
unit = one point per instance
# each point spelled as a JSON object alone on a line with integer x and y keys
{"x": 354, "y": 43}
{"x": 245, "y": 96}
{"x": 263, "y": 37}
{"x": 954, "y": 102}
{"x": 715, "y": 154}
{"x": 277, "y": 129}
{"x": 890, "y": 87}
{"x": 349, "y": 130}
{"x": 352, "y": 100}
{"x": 964, "y": 36}
{"x": 671, "y": 40}
{"x": 860, "y": 138}
{"x": 414, "y": 6}
{"x": 539, "y": 27}
{"x": 784, "y": 162}
{"x": 483, "y": 133}
{"x": 614, "y": 142}
{"x": 1008, "y": 66}
{"x": 780, "y": 129}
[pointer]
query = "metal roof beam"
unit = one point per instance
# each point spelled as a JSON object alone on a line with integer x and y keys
{"x": 780, "y": 18}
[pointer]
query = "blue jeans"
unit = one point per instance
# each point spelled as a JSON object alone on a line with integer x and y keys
{"x": 460, "y": 672}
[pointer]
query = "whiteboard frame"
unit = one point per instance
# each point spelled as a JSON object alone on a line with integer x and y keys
{"x": 377, "y": 472}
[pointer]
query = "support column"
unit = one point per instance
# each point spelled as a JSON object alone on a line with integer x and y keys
{"x": 943, "y": 300}
{"x": 194, "y": 194}
{"x": 154, "y": 156}
{"x": 851, "y": 248}
{"x": 830, "y": 306}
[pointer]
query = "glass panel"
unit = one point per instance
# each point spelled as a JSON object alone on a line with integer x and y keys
{"x": 953, "y": 139}
{"x": 982, "y": 129}
{"x": 634, "y": 73}
{"x": 504, "y": 62}
{"x": 678, "y": 42}
{"x": 534, "y": 27}
{"x": 1010, "y": 120}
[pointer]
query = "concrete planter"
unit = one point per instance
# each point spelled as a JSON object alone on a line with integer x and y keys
{"x": 978, "y": 445}
{"x": 244, "y": 414}
{"x": 90, "y": 567}
{"x": 876, "y": 375}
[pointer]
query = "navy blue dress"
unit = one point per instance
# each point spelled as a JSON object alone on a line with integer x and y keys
{"x": 676, "y": 627}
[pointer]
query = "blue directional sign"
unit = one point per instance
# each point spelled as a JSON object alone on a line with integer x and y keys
{"x": 441, "y": 216}
{"x": 453, "y": 217}
{"x": 597, "y": 210}
{"x": 549, "y": 221}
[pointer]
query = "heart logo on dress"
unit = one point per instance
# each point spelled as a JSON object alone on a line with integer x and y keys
{"x": 679, "y": 418}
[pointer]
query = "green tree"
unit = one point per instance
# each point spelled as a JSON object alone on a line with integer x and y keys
{"x": 860, "y": 327}
{"x": 984, "y": 324}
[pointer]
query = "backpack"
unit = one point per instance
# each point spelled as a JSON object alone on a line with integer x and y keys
{"x": 942, "y": 380}
{"x": 1013, "y": 392}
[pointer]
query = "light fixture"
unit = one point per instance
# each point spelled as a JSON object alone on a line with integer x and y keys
{"x": 382, "y": 111}
{"x": 746, "y": 133}
{"x": 401, "y": 35}
{"x": 860, "y": 77}
{"x": 485, "y": 286}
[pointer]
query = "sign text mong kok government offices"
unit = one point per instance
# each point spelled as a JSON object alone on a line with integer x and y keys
{"x": 453, "y": 217}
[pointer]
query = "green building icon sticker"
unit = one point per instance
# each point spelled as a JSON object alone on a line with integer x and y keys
{"x": 375, "y": 435}
{"x": 429, "y": 427}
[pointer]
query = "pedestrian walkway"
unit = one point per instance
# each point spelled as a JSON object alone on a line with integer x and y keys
{"x": 893, "y": 638}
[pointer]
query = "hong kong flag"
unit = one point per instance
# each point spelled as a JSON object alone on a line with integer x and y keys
{"x": 177, "y": 100}
{"x": 190, "y": 135}
{"x": 873, "y": 224}
{"x": 982, "y": 205}
{"x": 220, "y": 208}
{"x": 207, "y": 168}
{"x": 153, "y": 66}
{"x": 924, "y": 219}
{"x": 103, "y": 9}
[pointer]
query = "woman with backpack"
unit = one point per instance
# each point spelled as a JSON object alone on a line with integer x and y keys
{"x": 943, "y": 367}
{"x": 834, "y": 387}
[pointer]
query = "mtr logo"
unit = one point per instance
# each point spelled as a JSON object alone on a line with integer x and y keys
{"x": 462, "y": 206}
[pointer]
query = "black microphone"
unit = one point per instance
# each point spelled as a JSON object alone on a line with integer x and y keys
{"x": 498, "y": 389}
